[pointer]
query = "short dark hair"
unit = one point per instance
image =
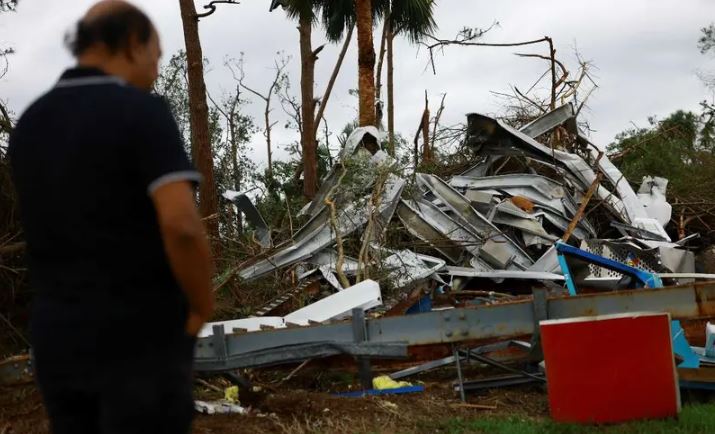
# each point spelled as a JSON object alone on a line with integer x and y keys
{"x": 115, "y": 30}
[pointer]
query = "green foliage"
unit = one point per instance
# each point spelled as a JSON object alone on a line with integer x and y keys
{"x": 414, "y": 18}
{"x": 230, "y": 131}
{"x": 8, "y": 5}
{"x": 172, "y": 84}
{"x": 707, "y": 39}
{"x": 693, "y": 419}
{"x": 680, "y": 148}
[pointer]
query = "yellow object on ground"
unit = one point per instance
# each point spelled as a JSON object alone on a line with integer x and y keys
{"x": 231, "y": 394}
{"x": 384, "y": 382}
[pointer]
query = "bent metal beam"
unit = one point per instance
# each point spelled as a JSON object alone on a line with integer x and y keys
{"x": 387, "y": 336}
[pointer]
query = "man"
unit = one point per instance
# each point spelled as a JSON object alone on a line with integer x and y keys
{"x": 117, "y": 253}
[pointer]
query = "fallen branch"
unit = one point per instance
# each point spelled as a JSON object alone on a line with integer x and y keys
{"x": 334, "y": 224}
{"x": 584, "y": 202}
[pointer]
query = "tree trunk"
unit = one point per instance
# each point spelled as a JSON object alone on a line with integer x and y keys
{"x": 390, "y": 96}
{"x": 307, "y": 78}
{"x": 199, "y": 120}
{"x": 267, "y": 119}
{"x": 366, "y": 62}
{"x": 236, "y": 169}
{"x": 378, "y": 73}
{"x": 333, "y": 77}
{"x": 424, "y": 125}
{"x": 426, "y": 150}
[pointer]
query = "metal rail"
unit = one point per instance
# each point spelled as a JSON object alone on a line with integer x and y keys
{"x": 389, "y": 336}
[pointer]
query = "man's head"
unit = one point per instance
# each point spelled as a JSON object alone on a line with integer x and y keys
{"x": 118, "y": 38}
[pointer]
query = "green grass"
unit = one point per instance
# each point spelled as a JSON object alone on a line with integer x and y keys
{"x": 697, "y": 418}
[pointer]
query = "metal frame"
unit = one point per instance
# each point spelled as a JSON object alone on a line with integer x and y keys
{"x": 390, "y": 336}
{"x": 644, "y": 279}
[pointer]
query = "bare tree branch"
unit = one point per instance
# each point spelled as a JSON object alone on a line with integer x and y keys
{"x": 212, "y": 7}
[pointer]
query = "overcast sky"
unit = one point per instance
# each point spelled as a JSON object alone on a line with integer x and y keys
{"x": 644, "y": 50}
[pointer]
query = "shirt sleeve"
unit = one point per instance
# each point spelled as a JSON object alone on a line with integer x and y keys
{"x": 161, "y": 155}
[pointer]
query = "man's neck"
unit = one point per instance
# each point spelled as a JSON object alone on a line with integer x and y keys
{"x": 110, "y": 65}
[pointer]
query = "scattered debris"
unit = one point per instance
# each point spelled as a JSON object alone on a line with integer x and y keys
{"x": 244, "y": 205}
{"x": 218, "y": 407}
{"x": 540, "y": 218}
{"x": 384, "y": 382}
{"x": 378, "y": 392}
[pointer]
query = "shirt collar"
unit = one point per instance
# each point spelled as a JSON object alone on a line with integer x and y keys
{"x": 81, "y": 72}
{"x": 84, "y": 76}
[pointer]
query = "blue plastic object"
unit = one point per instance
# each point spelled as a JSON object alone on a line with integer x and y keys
{"x": 423, "y": 305}
{"x": 644, "y": 279}
{"x": 376, "y": 392}
{"x": 682, "y": 348}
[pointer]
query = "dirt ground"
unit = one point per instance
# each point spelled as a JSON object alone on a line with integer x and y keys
{"x": 304, "y": 404}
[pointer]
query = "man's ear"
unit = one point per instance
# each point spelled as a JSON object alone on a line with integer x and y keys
{"x": 132, "y": 47}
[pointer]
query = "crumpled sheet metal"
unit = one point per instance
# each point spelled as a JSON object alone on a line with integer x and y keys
{"x": 329, "y": 258}
{"x": 547, "y": 187}
{"x": 406, "y": 267}
{"x": 497, "y": 137}
{"x": 450, "y": 228}
{"x": 558, "y": 206}
{"x": 632, "y": 206}
{"x": 320, "y": 234}
{"x": 564, "y": 114}
{"x": 497, "y": 249}
{"x": 402, "y": 267}
{"x": 527, "y": 225}
{"x": 420, "y": 227}
{"x": 243, "y": 204}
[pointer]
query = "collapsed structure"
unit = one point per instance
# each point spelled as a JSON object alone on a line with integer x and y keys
{"x": 481, "y": 241}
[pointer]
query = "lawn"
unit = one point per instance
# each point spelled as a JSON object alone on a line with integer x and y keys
{"x": 695, "y": 418}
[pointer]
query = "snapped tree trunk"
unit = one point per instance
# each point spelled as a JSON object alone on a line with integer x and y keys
{"x": 267, "y": 119}
{"x": 333, "y": 77}
{"x": 424, "y": 127}
{"x": 199, "y": 120}
{"x": 366, "y": 62}
{"x": 307, "y": 77}
{"x": 378, "y": 74}
{"x": 236, "y": 169}
{"x": 390, "y": 95}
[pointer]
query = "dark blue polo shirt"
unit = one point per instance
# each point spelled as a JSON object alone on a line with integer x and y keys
{"x": 85, "y": 157}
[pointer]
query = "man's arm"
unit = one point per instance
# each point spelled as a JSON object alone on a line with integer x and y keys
{"x": 186, "y": 248}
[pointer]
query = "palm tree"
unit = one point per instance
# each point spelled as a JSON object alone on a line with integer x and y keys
{"x": 413, "y": 18}
{"x": 366, "y": 62}
{"x": 339, "y": 16}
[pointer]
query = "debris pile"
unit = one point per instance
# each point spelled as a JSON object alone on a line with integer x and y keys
{"x": 485, "y": 256}
{"x": 491, "y": 228}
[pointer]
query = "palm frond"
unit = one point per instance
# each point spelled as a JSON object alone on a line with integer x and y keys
{"x": 298, "y": 8}
{"x": 413, "y": 18}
